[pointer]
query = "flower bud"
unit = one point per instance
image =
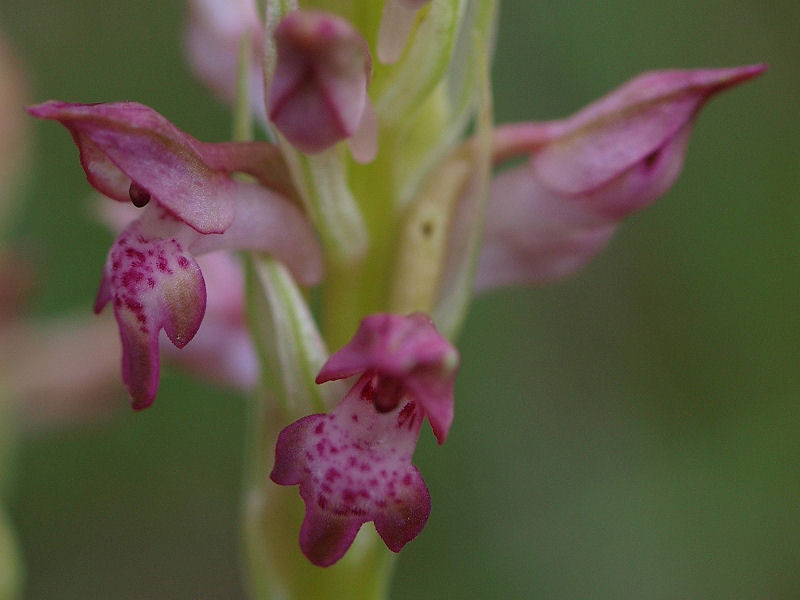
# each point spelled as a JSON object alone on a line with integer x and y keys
{"x": 318, "y": 94}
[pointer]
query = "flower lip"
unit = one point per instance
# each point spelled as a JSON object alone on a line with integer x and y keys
{"x": 353, "y": 465}
{"x": 152, "y": 284}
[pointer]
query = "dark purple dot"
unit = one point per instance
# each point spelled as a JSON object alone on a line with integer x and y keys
{"x": 138, "y": 195}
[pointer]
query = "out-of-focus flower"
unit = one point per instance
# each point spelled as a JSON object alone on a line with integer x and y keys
{"x": 192, "y": 205}
{"x": 213, "y": 36}
{"x": 318, "y": 93}
{"x": 353, "y": 464}
{"x": 586, "y": 173}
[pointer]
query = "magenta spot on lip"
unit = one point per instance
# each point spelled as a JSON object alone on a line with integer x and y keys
{"x": 319, "y": 428}
{"x": 135, "y": 254}
{"x": 133, "y": 305}
{"x": 183, "y": 262}
{"x": 406, "y": 414}
{"x": 131, "y": 277}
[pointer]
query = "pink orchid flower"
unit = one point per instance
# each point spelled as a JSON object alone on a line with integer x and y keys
{"x": 584, "y": 174}
{"x": 191, "y": 205}
{"x": 353, "y": 464}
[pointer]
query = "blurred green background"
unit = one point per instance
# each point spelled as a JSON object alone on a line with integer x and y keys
{"x": 631, "y": 433}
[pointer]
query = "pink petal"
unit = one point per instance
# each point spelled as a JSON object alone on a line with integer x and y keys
{"x": 221, "y": 350}
{"x": 153, "y": 284}
{"x": 533, "y": 235}
{"x": 611, "y": 135}
{"x": 267, "y": 222}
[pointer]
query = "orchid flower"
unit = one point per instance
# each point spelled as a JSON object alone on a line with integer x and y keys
{"x": 353, "y": 464}
{"x": 191, "y": 205}
{"x": 586, "y": 173}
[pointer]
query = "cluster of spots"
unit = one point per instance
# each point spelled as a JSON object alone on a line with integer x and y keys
{"x": 354, "y": 465}
{"x": 352, "y": 468}
{"x": 138, "y": 270}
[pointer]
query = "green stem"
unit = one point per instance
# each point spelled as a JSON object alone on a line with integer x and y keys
{"x": 272, "y": 515}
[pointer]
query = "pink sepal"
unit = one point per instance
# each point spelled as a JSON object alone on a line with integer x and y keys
{"x": 126, "y": 142}
{"x": 586, "y": 173}
{"x": 631, "y": 124}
